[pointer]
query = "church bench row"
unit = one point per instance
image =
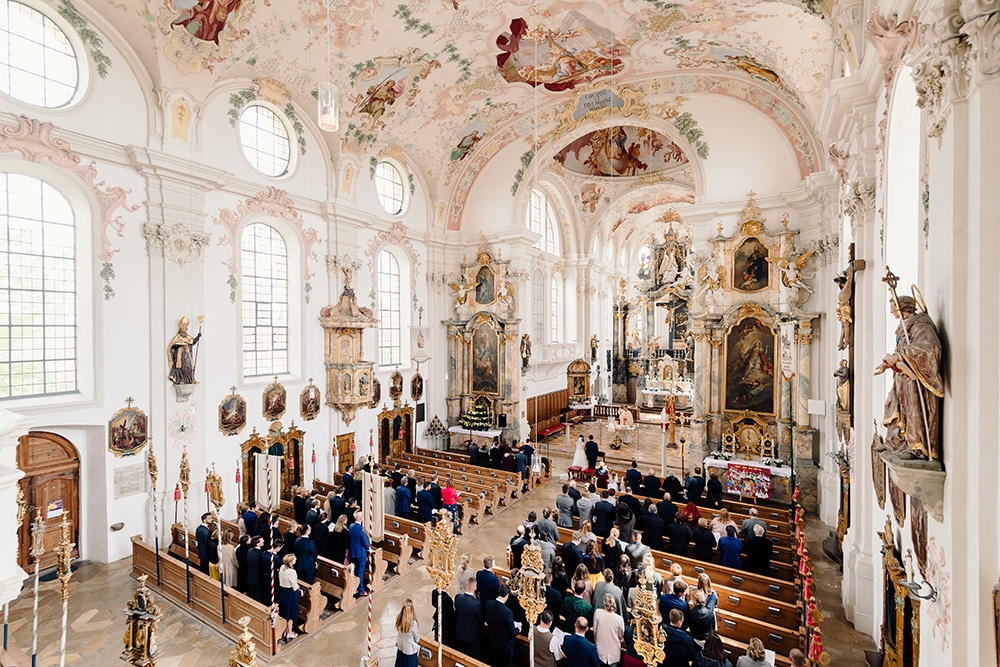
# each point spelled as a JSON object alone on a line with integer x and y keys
{"x": 508, "y": 485}
{"x": 450, "y": 466}
{"x": 547, "y": 427}
{"x": 311, "y": 601}
{"x": 492, "y": 490}
{"x": 375, "y": 581}
{"x": 780, "y": 572}
{"x": 206, "y": 602}
{"x": 484, "y": 498}
{"x": 471, "y": 506}
{"x": 736, "y": 629}
{"x": 336, "y": 580}
{"x": 464, "y": 458}
{"x": 768, "y": 510}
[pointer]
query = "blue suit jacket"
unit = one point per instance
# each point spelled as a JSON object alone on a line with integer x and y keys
{"x": 579, "y": 652}
{"x": 403, "y": 502}
{"x": 305, "y": 554}
{"x": 360, "y": 544}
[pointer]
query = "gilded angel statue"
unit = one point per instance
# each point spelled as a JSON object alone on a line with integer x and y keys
{"x": 791, "y": 270}
{"x": 461, "y": 292}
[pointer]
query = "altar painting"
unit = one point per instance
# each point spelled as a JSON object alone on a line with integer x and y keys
{"x": 485, "y": 286}
{"x": 750, "y": 347}
{"x": 485, "y": 359}
{"x": 750, "y": 266}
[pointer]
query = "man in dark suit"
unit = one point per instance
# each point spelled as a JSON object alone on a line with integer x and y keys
{"x": 650, "y": 484}
{"x": 253, "y": 566}
{"x": 591, "y": 450}
{"x": 208, "y": 549}
{"x": 678, "y": 649}
{"x": 436, "y": 492}
{"x": 679, "y": 536}
{"x": 758, "y": 550}
{"x": 571, "y": 553}
{"x": 360, "y": 546}
{"x": 666, "y": 509}
{"x": 579, "y": 652}
{"x": 487, "y": 583}
{"x": 603, "y": 515}
{"x": 500, "y": 629}
{"x": 403, "y": 499}
{"x": 270, "y": 565}
{"x": 425, "y": 503}
{"x": 517, "y": 545}
{"x": 305, "y": 555}
{"x": 468, "y": 623}
{"x": 312, "y": 514}
{"x": 337, "y": 505}
{"x": 299, "y": 504}
{"x": 348, "y": 481}
{"x": 652, "y": 529}
{"x": 672, "y": 485}
{"x": 633, "y": 478}
{"x": 694, "y": 486}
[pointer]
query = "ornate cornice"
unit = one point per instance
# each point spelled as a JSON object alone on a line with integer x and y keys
{"x": 982, "y": 27}
{"x": 175, "y": 243}
{"x": 942, "y": 74}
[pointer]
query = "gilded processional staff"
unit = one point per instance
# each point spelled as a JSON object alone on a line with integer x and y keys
{"x": 913, "y": 406}
{"x": 179, "y": 353}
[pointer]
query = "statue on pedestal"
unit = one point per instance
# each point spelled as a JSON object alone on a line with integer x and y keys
{"x": 181, "y": 360}
{"x": 912, "y": 408}
{"x": 525, "y": 353}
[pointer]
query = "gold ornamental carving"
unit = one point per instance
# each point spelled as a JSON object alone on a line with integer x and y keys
{"x": 804, "y": 339}
{"x": 751, "y": 309}
{"x": 185, "y": 473}
{"x": 213, "y": 485}
{"x": 244, "y": 654}
{"x": 65, "y": 551}
{"x": 141, "y": 617}
{"x": 649, "y": 638}
{"x": 441, "y": 552}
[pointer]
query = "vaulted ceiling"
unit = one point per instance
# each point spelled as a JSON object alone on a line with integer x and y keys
{"x": 445, "y": 80}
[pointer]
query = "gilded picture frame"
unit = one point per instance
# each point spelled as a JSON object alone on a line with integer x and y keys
{"x": 273, "y": 401}
{"x": 232, "y": 414}
{"x": 309, "y": 402}
{"x": 486, "y": 359}
{"x": 127, "y": 431}
{"x": 396, "y": 385}
{"x": 417, "y": 387}
{"x": 751, "y": 270}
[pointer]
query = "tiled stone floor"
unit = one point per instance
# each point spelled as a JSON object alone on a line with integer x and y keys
{"x": 99, "y": 593}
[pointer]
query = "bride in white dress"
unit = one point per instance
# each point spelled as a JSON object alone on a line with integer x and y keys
{"x": 580, "y": 455}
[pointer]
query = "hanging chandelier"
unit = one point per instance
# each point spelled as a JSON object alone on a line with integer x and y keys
{"x": 328, "y": 111}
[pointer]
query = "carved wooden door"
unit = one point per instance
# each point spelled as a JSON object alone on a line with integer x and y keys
{"x": 51, "y": 483}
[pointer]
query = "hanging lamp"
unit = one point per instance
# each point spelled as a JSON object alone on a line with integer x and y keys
{"x": 328, "y": 110}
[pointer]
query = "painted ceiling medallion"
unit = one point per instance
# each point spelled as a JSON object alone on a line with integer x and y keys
{"x": 577, "y": 51}
{"x": 620, "y": 151}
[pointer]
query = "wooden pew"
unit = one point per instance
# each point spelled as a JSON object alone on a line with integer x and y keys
{"x": 512, "y": 480}
{"x": 396, "y": 549}
{"x": 447, "y": 455}
{"x": 206, "y": 600}
{"x": 497, "y": 491}
{"x": 428, "y": 656}
{"x": 414, "y": 530}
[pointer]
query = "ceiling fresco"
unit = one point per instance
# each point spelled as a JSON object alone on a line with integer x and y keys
{"x": 447, "y": 80}
{"x": 620, "y": 151}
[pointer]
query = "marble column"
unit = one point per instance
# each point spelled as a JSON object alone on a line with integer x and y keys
{"x": 702, "y": 375}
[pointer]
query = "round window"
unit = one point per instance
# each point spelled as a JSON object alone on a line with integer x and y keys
{"x": 37, "y": 61}
{"x": 264, "y": 139}
{"x": 389, "y": 187}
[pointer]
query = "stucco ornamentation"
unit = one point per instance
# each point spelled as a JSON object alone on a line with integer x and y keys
{"x": 175, "y": 243}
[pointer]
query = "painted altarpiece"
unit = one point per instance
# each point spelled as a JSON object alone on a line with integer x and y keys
{"x": 277, "y": 442}
{"x": 742, "y": 296}
{"x": 483, "y": 341}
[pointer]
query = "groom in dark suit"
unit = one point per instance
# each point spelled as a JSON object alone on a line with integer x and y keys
{"x": 590, "y": 448}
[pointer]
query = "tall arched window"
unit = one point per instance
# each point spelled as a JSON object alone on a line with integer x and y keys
{"x": 542, "y": 221}
{"x": 264, "y": 269}
{"x": 555, "y": 310}
{"x": 538, "y": 307}
{"x": 38, "y": 330}
{"x": 389, "y": 310}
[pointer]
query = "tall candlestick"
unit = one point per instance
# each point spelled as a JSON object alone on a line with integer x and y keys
{"x": 64, "y": 572}
{"x": 36, "y": 553}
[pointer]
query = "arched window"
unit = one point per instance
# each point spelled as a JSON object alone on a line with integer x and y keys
{"x": 37, "y": 61}
{"x": 389, "y": 310}
{"x": 538, "y": 307}
{"x": 264, "y": 269}
{"x": 389, "y": 188}
{"x": 555, "y": 310}
{"x": 542, "y": 221}
{"x": 265, "y": 142}
{"x": 38, "y": 329}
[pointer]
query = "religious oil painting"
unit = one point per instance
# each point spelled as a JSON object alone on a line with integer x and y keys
{"x": 274, "y": 400}
{"x": 381, "y": 83}
{"x": 396, "y": 385}
{"x": 750, "y": 348}
{"x": 309, "y": 402}
{"x": 878, "y": 470}
{"x": 560, "y": 54}
{"x": 232, "y": 414}
{"x": 485, "y": 359}
{"x": 486, "y": 288}
{"x": 127, "y": 431}
{"x": 751, "y": 270}
{"x": 898, "y": 499}
{"x": 417, "y": 387}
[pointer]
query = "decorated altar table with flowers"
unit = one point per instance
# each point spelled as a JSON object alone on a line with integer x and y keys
{"x": 752, "y": 479}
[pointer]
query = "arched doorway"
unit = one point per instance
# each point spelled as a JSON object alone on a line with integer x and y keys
{"x": 51, "y": 482}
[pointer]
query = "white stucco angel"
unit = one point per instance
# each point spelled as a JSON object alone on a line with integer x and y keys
{"x": 461, "y": 292}
{"x": 791, "y": 272}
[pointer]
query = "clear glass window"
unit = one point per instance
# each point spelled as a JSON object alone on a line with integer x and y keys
{"x": 37, "y": 61}
{"x": 554, "y": 313}
{"x": 538, "y": 307}
{"x": 264, "y": 257}
{"x": 389, "y": 187}
{"x": 265, "y": 142}
{"x": 38, "y": 330}
{"x": 542, "y": 220}
{"x": 389, "y": 310}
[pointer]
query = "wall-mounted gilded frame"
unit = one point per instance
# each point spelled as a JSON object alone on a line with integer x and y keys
{"x": 751, "y": 270}
{"x": 486, "y": 286}
{"x": 274, "y": 400}
{"x": 127, "y": 431}
{"x": 309, "y": 402}
{"x": 486, "y": 359}
{"x": 232, "y": 414}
